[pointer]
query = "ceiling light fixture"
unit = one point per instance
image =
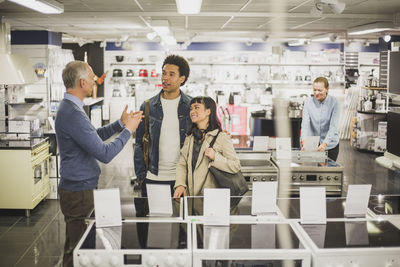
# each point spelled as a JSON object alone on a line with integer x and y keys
{"x": 336, "y": 6}
{"x": 188, "y": 6}
{"x": 387, "y": 38}
{"x": 370, "y": 28}
{"x": 297, "y": 42}
{"x": 42, "y": 6}
{"x": 151, "y": 35}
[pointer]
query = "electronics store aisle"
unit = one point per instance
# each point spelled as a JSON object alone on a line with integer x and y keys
{"x": 39, "y": 240}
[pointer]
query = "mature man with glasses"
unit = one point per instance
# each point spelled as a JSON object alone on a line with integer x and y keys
{"x": 321, "y": 118}
{"x": 80, "y": 146}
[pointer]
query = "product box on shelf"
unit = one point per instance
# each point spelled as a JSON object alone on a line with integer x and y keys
{"x": 23, "y": 125}
{"x": 380, "y": 145}
{"x": 382, "y": 129}
{"x": 53, "y": 188}
{"x": 54, "y": 166}
{"x": 365, "y": 122}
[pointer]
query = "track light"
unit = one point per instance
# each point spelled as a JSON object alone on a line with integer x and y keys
{"x": 387, "y": 38}
{"x": 333, "y": 37}
{"x": 336, "y": 6}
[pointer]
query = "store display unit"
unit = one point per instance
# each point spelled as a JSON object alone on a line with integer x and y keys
{"x": 311, "y": 169}
{"x": 352, "y": 243}
{"x": 248, "y": 244}
{"x": 257, "y": 166}
{"x": 136, "y": 243}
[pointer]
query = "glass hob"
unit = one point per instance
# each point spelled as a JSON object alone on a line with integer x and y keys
{"x": 138, "y": 207}
{"x": 304, "y": 163}
{"x": 334, "y": 207}
{"x": 251, "y": 263}
{"x": 321, "y": 163}
{"x": 247, "y": 236}
{"x": 385, "y": 205}
{"x": 138, "y": 235}
{"x": 354, "y": 234}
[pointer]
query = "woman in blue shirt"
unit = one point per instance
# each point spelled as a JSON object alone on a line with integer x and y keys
{"x": 321, "y": 118}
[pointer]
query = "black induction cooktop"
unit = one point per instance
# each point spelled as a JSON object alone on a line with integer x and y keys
{"x": 354, "y": 234}
{"x": 385, "y": 205}
{"x": 247, "y": 236}
{"x": 251, "y": 263}
{"x": 138, "y": 235}
{"x": 290, "y": 207}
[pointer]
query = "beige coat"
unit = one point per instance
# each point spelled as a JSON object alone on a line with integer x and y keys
{"x": 225, "y": 160}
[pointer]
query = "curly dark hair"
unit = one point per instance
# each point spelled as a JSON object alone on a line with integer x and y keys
{"x": 213, "y": 122}
{"x": 183, "y": 65}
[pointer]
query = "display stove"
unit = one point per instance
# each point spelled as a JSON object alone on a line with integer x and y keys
{"x": 246, "y": 244}
{"x": 385, "y": 207}
{"x": 309, "y": 169}
{"x": 353, "y": 243}
{"x": 136, "y": 243}
{"x": 257, "y": 166}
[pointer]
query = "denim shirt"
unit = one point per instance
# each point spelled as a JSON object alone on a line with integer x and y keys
{"x": 321, "y": 119}
{"x": 155, "y": 121}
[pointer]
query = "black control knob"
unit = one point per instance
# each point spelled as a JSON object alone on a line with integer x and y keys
{"x": 336, "y": 178}
{"x": 254, "y": 179}
{"x": 321, "y": 178}
{"x": 328, "y": 178}
{"x": 294, "y": 177}
{"x": 301, "y": 177}
{"x": 263, "y": 179}
{"x": 272, "y": 179}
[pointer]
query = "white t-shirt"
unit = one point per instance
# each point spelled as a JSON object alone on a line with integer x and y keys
{"x": 169, "y": 146}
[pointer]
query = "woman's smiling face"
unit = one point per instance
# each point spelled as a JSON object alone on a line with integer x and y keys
{"x": 199, "y": 113}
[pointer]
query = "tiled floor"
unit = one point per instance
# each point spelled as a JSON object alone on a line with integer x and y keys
{"x": 38, "y": 240}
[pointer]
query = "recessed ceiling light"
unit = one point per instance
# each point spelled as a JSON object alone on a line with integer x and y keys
{"x": 42, "y": 6}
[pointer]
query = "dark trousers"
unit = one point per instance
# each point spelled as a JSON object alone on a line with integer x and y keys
{"x": 333, "y": 153}
{"x": 75, "y": 206}
{"x": 148, "y": 181}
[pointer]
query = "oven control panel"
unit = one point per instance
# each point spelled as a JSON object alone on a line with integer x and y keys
{"x": 317, "y": 178}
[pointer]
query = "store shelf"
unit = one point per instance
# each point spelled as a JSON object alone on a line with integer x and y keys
{"x": 132, "y": 63}
{"x": 237, "y": 63}
{"x": 143, "y": 79}
{"x": 373, "y": 88}
{"x": 371, "y": 112}
{"x": 369, "y": 65}
{"x": 23, "y": 103}
{"x": 92, "y": 101}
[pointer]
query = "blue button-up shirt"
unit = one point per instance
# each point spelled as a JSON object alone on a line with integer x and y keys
{"x": 321, "y": 119}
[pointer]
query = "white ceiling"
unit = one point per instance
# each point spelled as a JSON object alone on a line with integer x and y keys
{"x": 219, "y": 20}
